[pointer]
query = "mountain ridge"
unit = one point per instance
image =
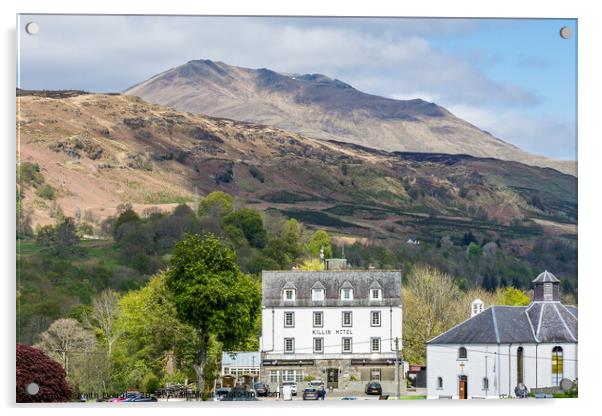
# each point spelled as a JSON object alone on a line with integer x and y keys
{"x": 99, "y": 151}
{"x": 318, "y": 106}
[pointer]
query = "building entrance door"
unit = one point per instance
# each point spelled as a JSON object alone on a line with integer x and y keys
{"x": 463, "y": 388}
{"x": 332, "y": 380}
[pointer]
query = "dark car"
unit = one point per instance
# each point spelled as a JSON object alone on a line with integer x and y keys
{"x": 221, "y": 393}
{"x": 143, "y": 399}
{"x": 374, "y": 387}
{"x": 261, "y": 389}
{"x": 311, "y": 394}
{"x": 238, "y": 394}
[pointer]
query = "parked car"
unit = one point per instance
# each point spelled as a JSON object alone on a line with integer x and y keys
{"x": 142, "y": 399}
{"x": 349, "y": 398}
{"x": 315, "y": 383}
{"x": 238, "y": 394}
{"x": 127, "y": 396}
{"x": 220, "y": 393}
{"x": 374, "y": 387}
{"x": 261, "y": 389}
{"x": 311, "y": 393}
{"x": 293, "y": 386}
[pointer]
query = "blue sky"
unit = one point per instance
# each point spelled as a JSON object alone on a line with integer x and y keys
{"x": 513, "y": 78}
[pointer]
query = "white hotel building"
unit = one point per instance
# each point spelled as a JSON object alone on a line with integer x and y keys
{"x": 337, "y": 326}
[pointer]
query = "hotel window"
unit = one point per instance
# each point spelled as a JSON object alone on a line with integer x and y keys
{"x": 226, "y": 370}
{"x": 374, "y": 344}
{"x": 288, "y": 375}
{"x": 485, "y": 383}
{"x": 548, "y": 291}
{"x": 375, "y": 294}
{"x": 557, "y": 365}
{"x": 375, "y": 374}
{"x": 462, "y": 353}
{"x": 347, "y": 294}
{"x": 375, "y": 318}
{"x": 273, "y": 376}
{"x": 289, "y": 345}
{"x": 347, "y": 318}
{"x": 347, "y": 345}
{"x": 318, "y": 319}
{"x": 439, "y": 382}
{"x": 319, "y": 345}
{"x": 317, "y": 294}
{"x": 289, "y": 294}
{"x": 289, "y": 319}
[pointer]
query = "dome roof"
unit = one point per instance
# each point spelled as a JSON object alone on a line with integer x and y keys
{"x": 546, "y": 277}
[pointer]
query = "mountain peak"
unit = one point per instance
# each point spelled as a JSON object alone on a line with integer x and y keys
{"x": 321, "y": 107}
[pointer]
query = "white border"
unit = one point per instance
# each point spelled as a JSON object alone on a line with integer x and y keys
{"x": 589, "y": 183}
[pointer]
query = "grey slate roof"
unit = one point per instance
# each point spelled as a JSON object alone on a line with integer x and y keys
{"x": 546, "y": 277}
{"x": 540, "y": 322}
{"x": 332, "y": 280}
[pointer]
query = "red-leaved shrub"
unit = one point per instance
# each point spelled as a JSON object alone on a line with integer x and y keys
{"x": 34, "y": 366}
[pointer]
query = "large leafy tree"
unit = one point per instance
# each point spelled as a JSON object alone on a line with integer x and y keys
{"x": 251, "y": 224}
{"x": 150, "y": 335}
{"x": 212, "y": 295}
{"x": 320, "y": 240}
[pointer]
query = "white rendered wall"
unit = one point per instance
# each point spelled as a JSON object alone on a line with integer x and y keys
{"x": 500, "y": 367}
{"x": 332, "y": 332}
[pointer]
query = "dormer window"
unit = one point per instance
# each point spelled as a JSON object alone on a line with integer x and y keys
{"x": 346, "y": 294}
{"x": 375, "y": 294}
{"x": 289, "y": 294}
{"x": 317, "y": 294}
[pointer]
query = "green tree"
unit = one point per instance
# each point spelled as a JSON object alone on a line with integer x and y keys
{"x": 149, "y": 333}
{"x": 150, "y": 383}
{"x": 212, "y": 295}
{"x": 251, "y": 224}
{"x": 311, "y": 264}
{"x": 320, "y": 239}
{"x": 127, "y": 216}
{"x": 216, "y": 202}
{"x": 513, "y": 297}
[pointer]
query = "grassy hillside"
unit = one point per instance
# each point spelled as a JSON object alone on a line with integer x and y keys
{"x": 99, "y": 151}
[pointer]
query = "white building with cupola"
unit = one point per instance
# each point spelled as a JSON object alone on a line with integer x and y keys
{"x": 500, "y": 348}
{"x": 343, "y": 327}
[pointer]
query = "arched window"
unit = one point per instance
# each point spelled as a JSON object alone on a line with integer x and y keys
{"x": 439, "y": 382}
{"x": 462, "y": 354}
{"x": 519, "y": 365}
{"x": 485, "y": 383}
{"x": 557, "y": 365}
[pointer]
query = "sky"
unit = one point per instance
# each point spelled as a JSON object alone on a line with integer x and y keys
{"x": 515, "y": 78}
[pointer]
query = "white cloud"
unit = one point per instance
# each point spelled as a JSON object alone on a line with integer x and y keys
{"x": 536, "y": 134}
{"x": 115, "y": 52}
{"x": 393, "y": 60}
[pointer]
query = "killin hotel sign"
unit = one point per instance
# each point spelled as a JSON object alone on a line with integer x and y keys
{"x": 330, "y": 332}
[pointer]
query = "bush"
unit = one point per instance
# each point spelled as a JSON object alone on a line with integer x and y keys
{"x": 46, "y": 192}
{"x": 34, "y": 366}
{"x": 256, "y": 173}
{"x": 29, "y": 174}
{"x": 150, "y": 383}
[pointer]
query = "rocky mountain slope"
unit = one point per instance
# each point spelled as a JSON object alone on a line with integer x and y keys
{"x": 319, "y": 107}
{"x": 99, "y": 151}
